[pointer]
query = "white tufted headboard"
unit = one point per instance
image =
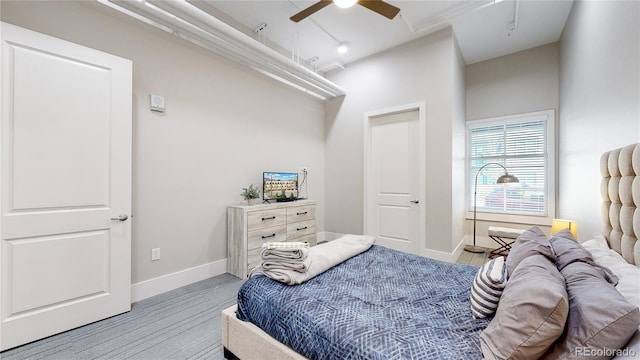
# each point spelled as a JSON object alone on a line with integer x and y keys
{"x": 620, "y": 188}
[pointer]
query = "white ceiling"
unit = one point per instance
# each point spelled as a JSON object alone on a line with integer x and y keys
{"x": 481, "y": 26}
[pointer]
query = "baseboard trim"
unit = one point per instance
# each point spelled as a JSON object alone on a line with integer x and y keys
{"x": 458, "y": 250}
{"x": 483, "y": 241}
{"x": 152, "y": 287}
{"x": 443, "y": 255}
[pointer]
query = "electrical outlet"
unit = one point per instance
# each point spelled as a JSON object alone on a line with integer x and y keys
{"x": 304, "y": 169}
{"x": 155, "y": 254}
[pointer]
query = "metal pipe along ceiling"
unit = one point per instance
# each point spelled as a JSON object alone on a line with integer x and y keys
{"x": 202, "y": 29}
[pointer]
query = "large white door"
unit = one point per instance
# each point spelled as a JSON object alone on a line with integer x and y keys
{"x": 394, "y": 198}
{"x": 65, "y": 173}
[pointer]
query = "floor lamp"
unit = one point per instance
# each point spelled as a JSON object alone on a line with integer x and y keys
{"x": 504, "y": 179}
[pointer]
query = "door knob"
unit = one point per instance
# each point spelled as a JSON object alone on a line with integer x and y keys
{"x": 121, "y": 217}
{"x": 415, "y": 201}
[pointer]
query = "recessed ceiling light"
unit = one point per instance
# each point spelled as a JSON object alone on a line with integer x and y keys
{"x": 345, "y": 3}
{"x": 343, "y": 48}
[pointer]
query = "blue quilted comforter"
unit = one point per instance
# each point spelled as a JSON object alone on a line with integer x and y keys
{"x": 382, "y": 304}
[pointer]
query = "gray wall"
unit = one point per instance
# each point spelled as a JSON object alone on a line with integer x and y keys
{"x": 599, "y": 101}
{"x": 523, "y": 82}
{"x": 224, "y": 126}
{"x": 526, "y": 81}
{"x": 421, "y": 70}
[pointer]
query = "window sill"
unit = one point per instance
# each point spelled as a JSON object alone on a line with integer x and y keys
{"x": 511, "y": 218}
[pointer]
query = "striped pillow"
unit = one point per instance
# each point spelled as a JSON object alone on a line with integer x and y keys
{"x": 487, "y": 288}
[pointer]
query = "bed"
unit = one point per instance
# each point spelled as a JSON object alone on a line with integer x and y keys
{"x": 383, "y": 304}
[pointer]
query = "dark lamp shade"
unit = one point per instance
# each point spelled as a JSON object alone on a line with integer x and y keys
{"x": 506, "y": 179}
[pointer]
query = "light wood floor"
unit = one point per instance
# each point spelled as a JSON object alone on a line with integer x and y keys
{"x": 473, "y": 259}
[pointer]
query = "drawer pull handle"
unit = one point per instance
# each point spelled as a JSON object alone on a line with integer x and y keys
{"x": 302, "y": 228}
{"x": 268, "y": 218}
{"x": 302, "y": 213}
{"x": 268, "y": 236}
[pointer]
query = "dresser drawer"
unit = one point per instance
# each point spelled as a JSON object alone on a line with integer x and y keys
{"x": 266, "y": 218}
{"x": 256, "y": 238}
{"x": 310, "y": 239}
{"x": 301, "y": 213}
{"x": 301, "y": 228}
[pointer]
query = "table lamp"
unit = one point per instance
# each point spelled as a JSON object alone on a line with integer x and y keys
{"x": 559, "y": 224}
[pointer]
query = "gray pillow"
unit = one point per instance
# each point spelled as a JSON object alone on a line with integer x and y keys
{"x": 599, "y": 316}
{"x": 568, "y": 251}
{"x": 531, "y": 314}
{"x": 531, "y": 242}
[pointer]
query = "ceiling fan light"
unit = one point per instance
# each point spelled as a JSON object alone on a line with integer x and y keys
{"x": 343, "y": 48}
{"x": 345, "y": 3}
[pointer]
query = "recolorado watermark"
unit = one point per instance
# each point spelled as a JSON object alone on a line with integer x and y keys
{"x": 593, "y": 352}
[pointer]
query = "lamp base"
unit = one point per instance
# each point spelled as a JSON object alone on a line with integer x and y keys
{"x": 474, "y": 249}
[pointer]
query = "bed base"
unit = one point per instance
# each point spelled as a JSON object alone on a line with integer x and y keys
{"x": 228, "y": 354}
{"x": 243, "y": 340}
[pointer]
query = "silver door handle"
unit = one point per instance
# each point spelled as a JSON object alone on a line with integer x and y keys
{"x": 121, "y": 217}
{"x": 415, "y": 201}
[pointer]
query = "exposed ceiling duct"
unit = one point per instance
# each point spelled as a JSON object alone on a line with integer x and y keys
{"x": 197, "y": 26}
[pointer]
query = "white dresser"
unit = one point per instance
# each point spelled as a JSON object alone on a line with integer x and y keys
{"x": 248, "y": 227}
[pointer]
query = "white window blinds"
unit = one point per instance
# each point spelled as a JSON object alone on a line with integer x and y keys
{"x": 520, "y": 145}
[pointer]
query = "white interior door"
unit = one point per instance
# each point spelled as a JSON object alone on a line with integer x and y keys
{"x": 65, "y": 172}
{"x": 393, "y": 175}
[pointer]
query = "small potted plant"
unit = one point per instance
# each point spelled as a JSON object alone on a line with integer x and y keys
{"x": 250, "y": 194}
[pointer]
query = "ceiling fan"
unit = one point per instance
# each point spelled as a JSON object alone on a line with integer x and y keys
{"x": 379, "y": 6}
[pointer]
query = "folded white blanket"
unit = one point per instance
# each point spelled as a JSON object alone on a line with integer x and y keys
{"x": 292, "y": 255}
{"x": 322, "y": 257}
{"x": 299, "y": 266}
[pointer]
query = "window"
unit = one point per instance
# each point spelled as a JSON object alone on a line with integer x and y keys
{"x": 524, "y": 145}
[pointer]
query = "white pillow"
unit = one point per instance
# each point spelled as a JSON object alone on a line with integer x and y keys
{"x": 629, "y": 275}
{"x": 487, "y": 288}
{"x": 628, "y": 285}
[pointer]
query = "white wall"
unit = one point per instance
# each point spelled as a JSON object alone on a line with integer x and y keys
{"x": 522, "y": 82}
{"x": 421, "y": 70}
{"x": 224, "y": 125}
{"x": 599, "y": 101}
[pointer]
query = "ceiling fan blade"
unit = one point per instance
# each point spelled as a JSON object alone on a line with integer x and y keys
{"x": 310, "y": 10}
{"x": 387, "y": 10}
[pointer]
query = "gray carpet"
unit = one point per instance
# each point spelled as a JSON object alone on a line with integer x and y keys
{"x": 180, "y": 324}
